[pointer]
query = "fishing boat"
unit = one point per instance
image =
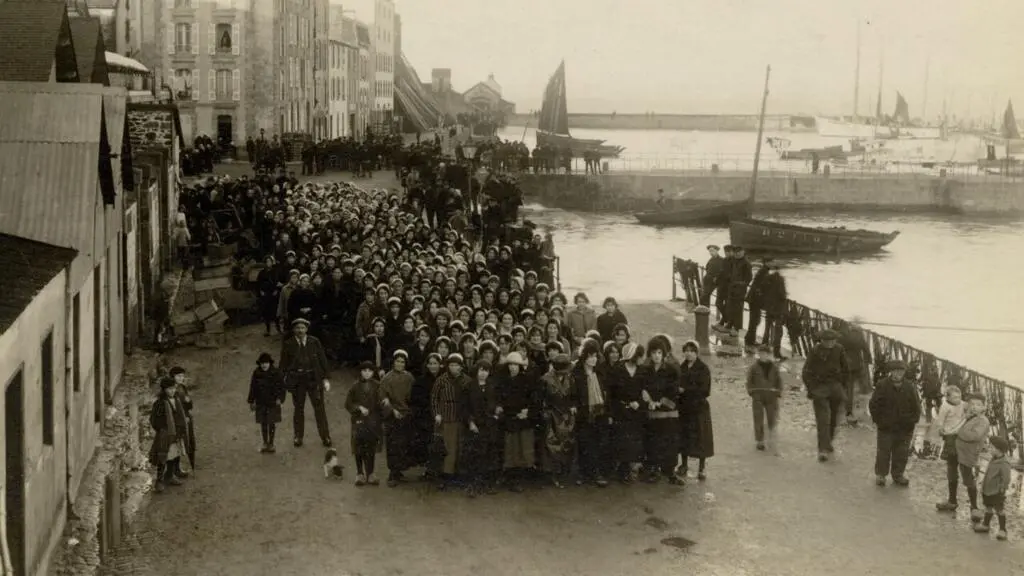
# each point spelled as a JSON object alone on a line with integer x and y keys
{"x": 774, "y": 237}
{"x": 777, "y": 238}
{"x": 711, "y": 214}
{"x": 553, "y": 123}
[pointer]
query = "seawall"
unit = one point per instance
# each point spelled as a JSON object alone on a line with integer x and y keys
{"x": 781, "y": 191}
{"x": 705, "y": 122}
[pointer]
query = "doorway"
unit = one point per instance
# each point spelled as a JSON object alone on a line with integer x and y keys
{"x": 14, "y": 477}
{"x": 225, "y": 131}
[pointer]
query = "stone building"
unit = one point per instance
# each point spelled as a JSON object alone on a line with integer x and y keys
{"x": 383, "y": 54}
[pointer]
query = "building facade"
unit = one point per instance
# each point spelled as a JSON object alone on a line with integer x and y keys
{"x": 321, "y": 68}
{"x": 338, "y": 89}
{"x": 383, "y": 48}
{"x": 365, "y": 80}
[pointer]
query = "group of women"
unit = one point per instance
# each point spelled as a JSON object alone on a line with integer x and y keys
{"x": 471, "y": 364}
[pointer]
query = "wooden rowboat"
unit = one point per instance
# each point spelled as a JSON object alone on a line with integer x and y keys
{"x": 774, "y": 237}
{"x": 712, "y": 214}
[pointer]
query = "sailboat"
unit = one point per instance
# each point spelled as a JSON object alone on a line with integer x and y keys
{"x": 766, "y": 236}
{"x": 1008, "y": 137}
{"x": 553, "y": 124}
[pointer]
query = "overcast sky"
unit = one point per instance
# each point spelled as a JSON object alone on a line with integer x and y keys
{"x": 708, "y": 56}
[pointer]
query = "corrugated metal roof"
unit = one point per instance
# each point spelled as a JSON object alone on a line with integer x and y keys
{"x": 28, "y": 267}
{"x": 62, "y": 113}
{"x": 49, "y": 162}
{"x": 48, "y": 192}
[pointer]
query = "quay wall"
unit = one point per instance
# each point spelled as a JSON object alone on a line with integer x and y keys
{"x": 705, "y": 122}
{"x": 781, "y": 191}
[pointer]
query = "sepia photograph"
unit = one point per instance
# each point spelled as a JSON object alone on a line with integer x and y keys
{"x": 511, "y": 288}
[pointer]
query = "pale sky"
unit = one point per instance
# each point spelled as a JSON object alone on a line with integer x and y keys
{"x": 708, "y": 56}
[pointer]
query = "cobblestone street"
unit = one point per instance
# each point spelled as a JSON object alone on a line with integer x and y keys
{"x": 758, "y": 514}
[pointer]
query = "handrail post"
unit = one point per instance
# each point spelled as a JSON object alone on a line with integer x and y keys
{"x": 674, "y": 298}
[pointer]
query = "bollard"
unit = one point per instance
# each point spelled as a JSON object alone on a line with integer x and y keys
{"x": 702, "y": 322}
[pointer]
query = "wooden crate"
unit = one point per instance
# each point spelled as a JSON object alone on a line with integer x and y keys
{"x": 212, "y": 272}
{"x": 206, "y": 310}
{"x": 207, "y": 284}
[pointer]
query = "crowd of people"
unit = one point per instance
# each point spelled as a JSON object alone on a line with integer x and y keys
{"x": 473, "y": 366}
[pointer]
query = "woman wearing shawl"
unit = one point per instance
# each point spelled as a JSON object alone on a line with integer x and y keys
{"x": 662, "y": 427}
{"x": 629, "y": 411}
{"x": 168, "y": 422}
{"x": 593, "y": 418}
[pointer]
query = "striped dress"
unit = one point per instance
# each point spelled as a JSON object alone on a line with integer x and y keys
{"x": 446, "y": 401}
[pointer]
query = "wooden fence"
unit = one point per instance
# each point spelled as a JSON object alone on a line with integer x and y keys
{"x": 1005, "y": 402}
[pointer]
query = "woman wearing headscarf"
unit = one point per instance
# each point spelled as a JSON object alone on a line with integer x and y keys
{"x": 696, "y": 437}
{"x": 661, "y": 431}
{"x": 628, "y": 409}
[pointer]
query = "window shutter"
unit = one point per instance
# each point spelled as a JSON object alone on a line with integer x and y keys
{"x": 211, "y": 39}
{"x": 211, "y": 77}
{"x": 193, "y": 39}
{"x": 171, "y": 38}
{"x": 236, "y": 40}
{"x": 236, "y": 85}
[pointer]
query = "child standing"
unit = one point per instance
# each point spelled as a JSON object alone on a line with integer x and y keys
{"x": 266, "y": 394}
{"x": 764, "y": 385}
{"x": 943, "y": 432}
{"x": 970, "y": 439}
{"x": 363, "y": 405}
{"x": 994, "y": 487}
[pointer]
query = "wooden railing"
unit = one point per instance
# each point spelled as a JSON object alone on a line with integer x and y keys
{"x": 803, "y": 323}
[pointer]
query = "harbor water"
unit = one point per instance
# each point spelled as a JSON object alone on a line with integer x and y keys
{"x": 947, "y": 285}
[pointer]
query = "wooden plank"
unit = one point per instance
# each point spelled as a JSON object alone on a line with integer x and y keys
{"x": 206, "y": 310}
{"x": 214, "y": 272}
{"x": 221, "y": 283}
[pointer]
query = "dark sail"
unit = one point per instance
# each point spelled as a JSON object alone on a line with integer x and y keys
{"x": 554, "y": 114}
{"x": 902, "y": 112}
{"x": 1010, "y": 131}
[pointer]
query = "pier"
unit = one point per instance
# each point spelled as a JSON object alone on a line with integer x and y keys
{"x": 703, "y": 122}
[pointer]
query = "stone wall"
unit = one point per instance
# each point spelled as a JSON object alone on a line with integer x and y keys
{"x": 782, "y": 191}
{"x": 151, "y": 129}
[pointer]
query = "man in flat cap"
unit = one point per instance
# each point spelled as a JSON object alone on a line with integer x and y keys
{"x": 825, "y": 373}
{"x": 712, "y": 270}
{"x": 895, "y": 408}
{"x": 305, "y": 369}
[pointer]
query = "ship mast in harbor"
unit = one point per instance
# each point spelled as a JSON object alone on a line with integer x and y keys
{"x": 856, "y": 78}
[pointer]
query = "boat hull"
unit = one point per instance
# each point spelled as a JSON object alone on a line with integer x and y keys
{"x": 774, "y": 237}
{"x": 842, "y": 129}
{"x": 699, "y": 215}
{"x": 578, "y": 145}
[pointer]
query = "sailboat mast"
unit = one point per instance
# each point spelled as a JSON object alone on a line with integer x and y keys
{"x": 760, "y": 134}
{"x": 924, "y": 103}
{"x": 856, "y": 77}
{"x": 881, "y": 75}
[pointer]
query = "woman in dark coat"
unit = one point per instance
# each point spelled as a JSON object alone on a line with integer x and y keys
{"x": 422, "y": 416}
{"x": 593, "y": 418}
{"x": 696, "y": 438}
{"x": 661, "y": 432}
{"x": 483, "y": 439}
{"x": 269, "y": 294}
{"x": 266, "y": 394}
{"x": 629, "y": 411}
{"x": 611, "y": 318}
{"x": 518, "y": 396}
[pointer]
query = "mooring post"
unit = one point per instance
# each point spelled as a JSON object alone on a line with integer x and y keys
{"x": 701, "y": 331}
{"x": 673, "y": 277}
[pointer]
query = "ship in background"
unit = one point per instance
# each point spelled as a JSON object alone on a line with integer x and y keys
{"x": 553, "y": 123}
{"x": 897, "y": 126}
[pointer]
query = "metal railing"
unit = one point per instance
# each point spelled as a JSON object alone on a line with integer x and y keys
{"x": 803, "y": 324}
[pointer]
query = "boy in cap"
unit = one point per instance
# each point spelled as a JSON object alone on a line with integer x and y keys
{"x": 824, "y": 374}
{"x": 970, "y": 439}
{"x": 895, "y": 409}
{"x": 764, "y": 385}
{"x": 994, "y": 487}
{"x": 712, "y": 270}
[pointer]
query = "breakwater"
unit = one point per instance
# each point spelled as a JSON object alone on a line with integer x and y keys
{"x": 781, "y": 191}
{"x": 702, "y": 122}
{"x": 803, "y": 323}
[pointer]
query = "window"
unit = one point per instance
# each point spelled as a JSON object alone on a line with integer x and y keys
{"x": 47, "y": 377}
{"x": 183, "y": 84}
{"x": 183, "y": 38}
{"x": 224, "y": 39}
{"x": 182, "y": 3}
{"x": 224, "y": 87}
{"x": 76, "y": 346}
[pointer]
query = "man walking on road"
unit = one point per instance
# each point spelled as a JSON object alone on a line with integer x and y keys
{"x": 825, "y": 374}
{"x": 895, "y": 409}
{"x": 304, "y": 364}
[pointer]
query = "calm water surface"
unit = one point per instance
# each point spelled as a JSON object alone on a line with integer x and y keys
{"x": 951, "y": 272}
{"x": 939, "y": 272}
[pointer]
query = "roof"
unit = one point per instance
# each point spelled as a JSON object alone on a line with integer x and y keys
{"x": 50, "y": 145}
{"x": 363, "y": 34}
{"x": 102, "y": 4}
{"x": 28, "y": 267}
{"x": 485, "y": 85}
{"x": 348, "y": 32}
{"x": 29, "y": 31}
{"x": 117, "y": 64}
{"x": 89, "y": 45}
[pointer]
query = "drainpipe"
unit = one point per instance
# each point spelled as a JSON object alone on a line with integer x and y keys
{"x": 69, "y": 392}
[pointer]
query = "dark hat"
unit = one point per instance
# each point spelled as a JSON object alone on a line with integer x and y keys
{"x": 298, "y": 321}
{"x": 265, "y": 357}
{"x": 895, "y": 364}
{"x": 828, "y": 334}
{"x": 176, "y": 370}
{"x": 713, "y": 247}
{"x": 166, "y": 383}
{"x": 737, "y": 248}
{"x": 976, "y": 396}
{"x": 366, "y": 365}
{"x": 728, "y": 247}
{"x": 561, "y": 363}
{"x": 999, "y": 443}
